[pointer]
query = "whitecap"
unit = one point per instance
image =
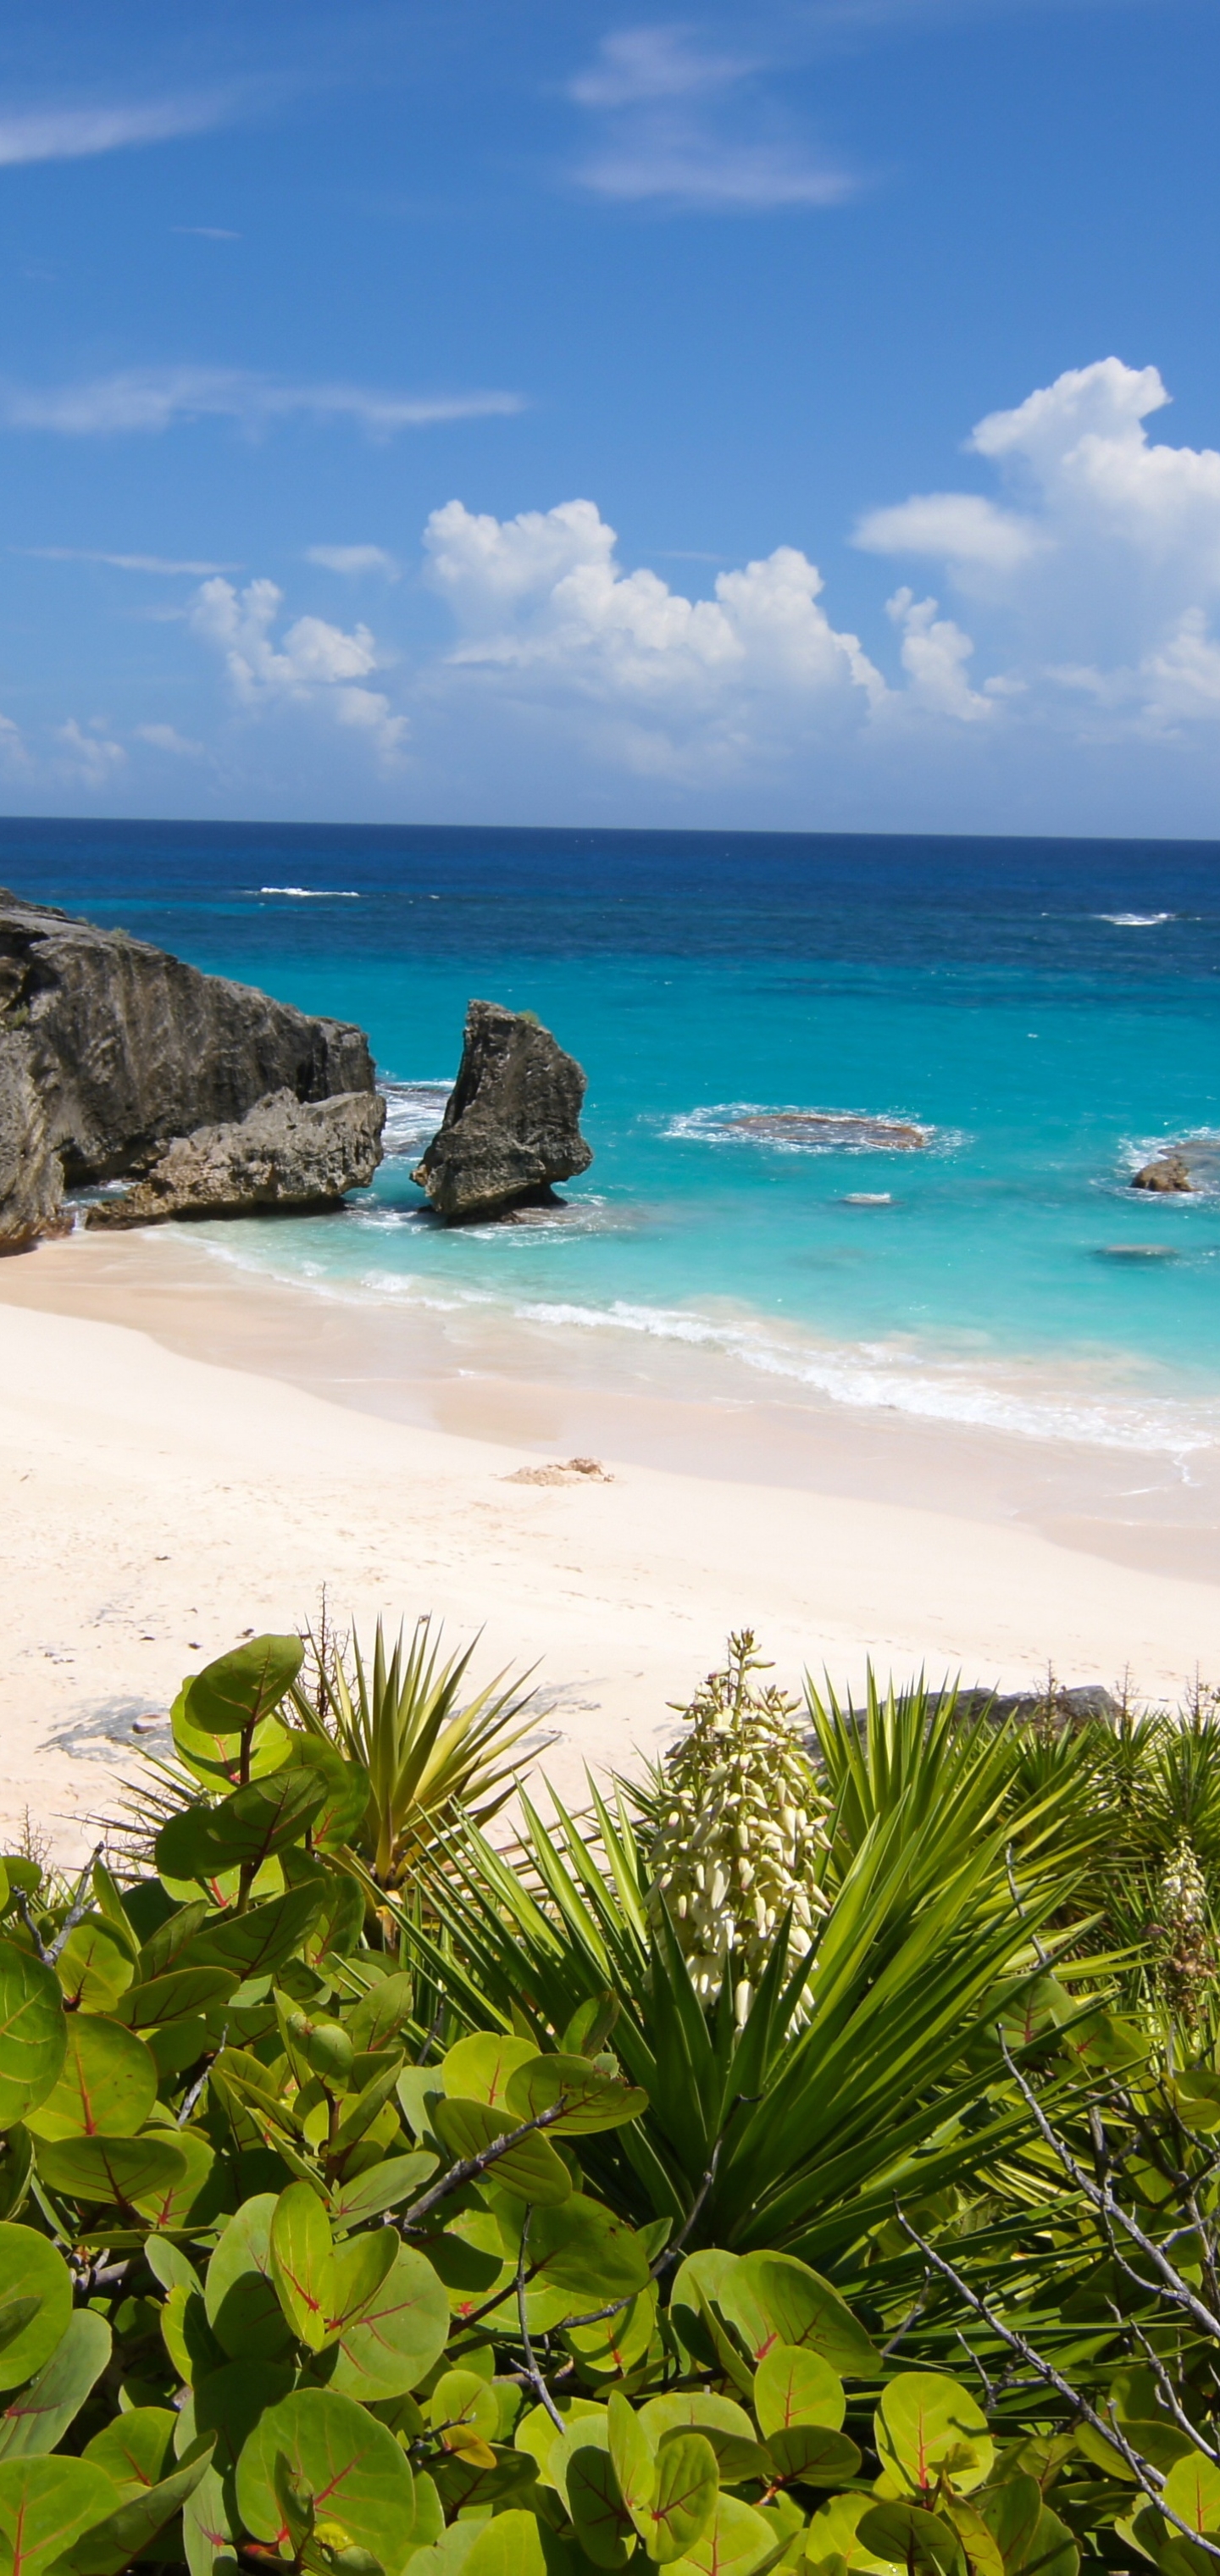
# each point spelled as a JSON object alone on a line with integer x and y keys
{"x": 1135, "y": 920}
{"x": 316, "y": 894}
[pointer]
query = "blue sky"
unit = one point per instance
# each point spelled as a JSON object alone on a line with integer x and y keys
{"x": 797, "y": 415}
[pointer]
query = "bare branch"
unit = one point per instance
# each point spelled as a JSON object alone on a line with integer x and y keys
{"x": 536, "y": 2380}
{"x": 78, "y": 1908}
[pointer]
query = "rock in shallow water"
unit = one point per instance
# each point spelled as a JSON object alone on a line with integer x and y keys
{"x": 286, "y": 1153}
{"x": 830, "y": 1127}
{"x": 1168, "y": 1172}
{"x": 512, "y": 1121}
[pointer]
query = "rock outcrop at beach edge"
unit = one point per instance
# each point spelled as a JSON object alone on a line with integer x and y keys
{"x": 285, "y": 1153}
{"x": 512, "y": 1120}
{"x": 109, "y": 1049}
{"x": 1168, "y": 1172}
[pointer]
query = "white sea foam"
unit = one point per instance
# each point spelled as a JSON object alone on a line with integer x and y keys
{"x": 1135, "y": 920}
{"x": 316, "y": 894}
{"x": 414, "y": 1111}
{"x": 724, "y": 1124}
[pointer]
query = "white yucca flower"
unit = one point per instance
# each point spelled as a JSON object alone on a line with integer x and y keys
{"x": 741, "y": 1825}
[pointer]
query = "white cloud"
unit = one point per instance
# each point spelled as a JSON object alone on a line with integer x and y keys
{"x": 934, "y": 656}
{"x": 12, "y": 748}
{"x": 90, "y": 755}
{"x": 1101, "y": 587}
{"x": 672, "y": 132}
{"x": 354, "y": 561}
{"x": 165, "y": 737}
{"x": 155, "y": 398}
{"x": 957, "y": 527}
{"x": 78, "y": 133}
{"x": 544, "y": 611}
{"x": 314, "y": 665}
{"x": 123, "y": 563}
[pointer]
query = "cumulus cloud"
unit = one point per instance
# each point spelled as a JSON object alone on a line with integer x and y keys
{"x": 314, "y": 665}
{"x": 672, "y": 130}
{"x": 354, "y": 561}
{"x": 934, "y": 656}
{"x": 544, "y": 610}
{"x": 30, "y": 134}
{"x": 124, "y": 563}
{"x": 153, "y": 399}
{"x": 166, "y": 737}
{"x": 1102, "y": 583}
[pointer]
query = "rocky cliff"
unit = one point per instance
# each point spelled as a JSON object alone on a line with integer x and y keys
{"x": 512, "y": 1121}
{"x": 109, "y": 1049}
{"x": 285, "y": 1153}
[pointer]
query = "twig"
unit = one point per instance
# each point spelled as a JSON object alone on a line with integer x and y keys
{"x": 1015, "y": 1893}
{"x": 78, "y": 1908}
{"x": 536, "y": 2380}
{"x": 1146, "y": 2477}
{"x": 200, "y": 2080}
{"x": 469, "y": 2168}
{"x": 22, "y": 1903}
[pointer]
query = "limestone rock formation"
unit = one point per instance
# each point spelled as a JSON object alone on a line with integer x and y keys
{"x": 1168, "y": 1172}
{"x": 512, "y": 1121}
{"x": 285, "y": 1153}
{"x": 110, "y": 1048}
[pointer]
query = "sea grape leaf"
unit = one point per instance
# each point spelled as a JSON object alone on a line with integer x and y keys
{"x": 346, "y": 1790}
{"x": 33, "y": 2032}
{"x": 111, "y": 2545}
{"x": 464, "y": 2410}
{"x": 243, "y": 1687}
{"x": 187, "y": 2336}
{"x": 163, "y": 1949}
{"x": 228, "y": 2402}
{"x": 172, "y": 2203}
{"x": 206, "y": 2538}
{"x": 611, "y": 2346}
{"x": 983, "y": 2554}
{"x": 338, "y": 1918}
{"x": 125, "y": 2170}
{"x": 300, "y": 2243}
{"x": 726, "y": 2424}
{"x": 45, "y": 2505}
{"x": 244, "y": 1830}
{"x": 580, "y": 2246}
{"x": 683, "y": 2499}
{"x": 243, "y": 2308}
{"x": 110, "y": 1904}
{"x": 392, "y": 2344}
{"x": 632, "y": 2455}
{"x": 591, "y": 2097}
{"x": 1192, "y": 2491}
{"x": 36, "y": 2418}
{"x": 177, "y": 1996}
{"x": 736, "y": 2542}
{"x": 530, "y": 2168}
{"x": 813, "y": 2455}
{"x": 380, "y": 2187}
{"x": 774, "y": 2298}
{"x": 340, "y": 2455}
{"x": 108, "y": 2083}
{"x": 95, "y": 1965}
{"x": 905, "y": 2535}
{"x": 604, "y": 2526}
{"x": 928, "y": 2425}
{"x": 536, "y": 2435}
{"x": 383, "y": 2012}
{"x": 514, "y": 2544}
{"x": 30, "y": 2268}
{"x": 135, "y": 2449}
{"x": 795, "y": 2386}
{"x": 834, "y": 2533}
{"x": 478, "y": 2069}
{"x": 254, "y": 1943}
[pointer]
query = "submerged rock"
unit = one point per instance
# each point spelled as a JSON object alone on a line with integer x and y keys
{"x": 285, "y": 1153}
{"x": 512, "y": 1121}
{"x": 110, "y": 1048}
{"x": 830, "y": 1127}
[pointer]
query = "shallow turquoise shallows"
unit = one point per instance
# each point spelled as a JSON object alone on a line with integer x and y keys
{"x": 1048, "y": 1011}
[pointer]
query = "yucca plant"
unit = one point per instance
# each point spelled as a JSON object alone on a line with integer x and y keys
{"x": 425, "y": 1751}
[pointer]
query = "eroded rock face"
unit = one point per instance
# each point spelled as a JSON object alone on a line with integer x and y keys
{"x": 110, "y": 1048}
{"x": 285, "y": 1153}
{"x": 512, "y": 1122}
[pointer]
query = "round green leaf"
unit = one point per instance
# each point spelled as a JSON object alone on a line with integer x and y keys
{"x": 178, "y": 1996}
{"x": 531, "y": 2168}
{"x": 241, "y": 1688}
{"x": 207, "y": 2541}
{"x": 95, "y": 1965}
{"x": 478, "y": 2069}
{"x": 228, "y": 2403}
{"x": 928, "y": 2425}
{"x": 580, "y": 2247}
{"x": 346, "y": 1790}
{"x": 172, "y": 2203}
{"x": 773, "y": 2298}
{"x": 737, "y": 2542}
{"x": 33, "y": 2033}
{"x": 392, "y": 2344}
{"x": 793, "y": 2386}
{"x": 811, "y": 2455}
{"x": 904, "y": 2534}
{"x": 1192, "y": 2491}
{"x": 254, "y": 1943}
{"x": 136, "y": 2450}
{"x": 834, "y": 2533}
{"x": 388, "y": 2185}
{"x": 683, "y": 2499}
{"x": 243, "y": 2310}
{"x": 124, "y": 2170}
{"x": 513, "y": 2544}
{"x": 340, "y": 2455}
{"x": 44, "y": 2506}
{"x": 108, "y": 2083}
{"x": 37, "y": 2419}
{"x": 300, "y": 2244}
{"x": 244, "y": 1830}
{"x": 598, "y": 2507}
{"x": 30, "y": 2268}
{"x": 108, "y": 2547}
{"x": 590, "y": 2096}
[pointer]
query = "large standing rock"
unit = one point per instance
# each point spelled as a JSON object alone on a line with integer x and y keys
{"x": 285, "y": 1153}
{"x": 512, "y": 1121}
{"x": 109, "y": 1048}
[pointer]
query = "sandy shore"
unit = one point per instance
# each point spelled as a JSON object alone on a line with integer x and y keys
{"x": 187, "y": 1455}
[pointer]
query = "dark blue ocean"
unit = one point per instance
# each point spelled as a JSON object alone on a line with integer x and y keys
{"x": 1048, "y": 1010}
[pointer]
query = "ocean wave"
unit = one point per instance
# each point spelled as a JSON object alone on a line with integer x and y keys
{"x": 414, "y": 1111}
{"x": 1135, "y": 920}
{"x": 315, "y": 894}
{"x": 866, "y": 1376}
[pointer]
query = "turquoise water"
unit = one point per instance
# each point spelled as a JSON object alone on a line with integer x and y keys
{"x": 1049, "y": 1011}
